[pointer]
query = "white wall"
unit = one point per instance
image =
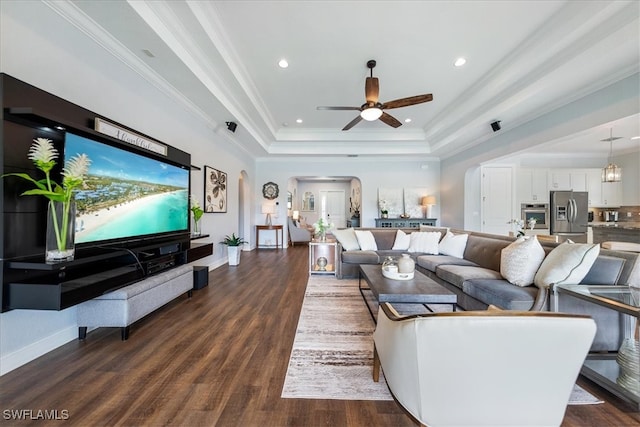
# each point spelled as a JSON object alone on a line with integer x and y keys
{"x": 400, "y": 173}
{"x": 610, "y": 103}
{"x": 33, "y": 49}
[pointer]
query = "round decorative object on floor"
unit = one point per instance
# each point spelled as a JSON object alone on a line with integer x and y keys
{"x": 322, "y": 263}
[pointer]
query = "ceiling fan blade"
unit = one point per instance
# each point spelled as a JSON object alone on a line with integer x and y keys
{"x": 371, "y": 89}
{"x": 339, "y": 108}
{"x": 405, "y": 102}
{"x": 390, "y": 120}
{"x": 352, "y": 123}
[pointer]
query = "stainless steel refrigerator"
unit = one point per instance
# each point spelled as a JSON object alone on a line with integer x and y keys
{"x": 569, "y": 215}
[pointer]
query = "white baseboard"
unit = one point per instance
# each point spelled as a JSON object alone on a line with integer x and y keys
{"x": 31, "y": 352}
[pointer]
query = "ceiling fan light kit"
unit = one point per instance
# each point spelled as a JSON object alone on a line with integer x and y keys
{"x": 372, "y": 109}
{"x": 371, "y": 114}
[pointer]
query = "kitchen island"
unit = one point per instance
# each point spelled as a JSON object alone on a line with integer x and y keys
{"x": 621, "y": 231}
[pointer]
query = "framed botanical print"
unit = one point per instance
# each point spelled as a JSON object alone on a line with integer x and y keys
{"x": 215, "y": 190}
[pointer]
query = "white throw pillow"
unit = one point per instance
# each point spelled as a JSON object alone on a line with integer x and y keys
{"x": 453, "y": 244}
{"x": 520, "y": 261}
{"x": 567, "y": 264}
{"x": 347, "y": 239}
{"x": 402, "y": 242}
{"x": 366, "y": 240}
{"x": 426, "y": 242}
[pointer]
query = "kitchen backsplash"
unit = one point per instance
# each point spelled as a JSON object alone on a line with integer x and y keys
{"x": 623, "y": 213}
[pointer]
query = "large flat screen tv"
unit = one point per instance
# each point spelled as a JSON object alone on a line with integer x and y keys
{"x": 128, "y": 196}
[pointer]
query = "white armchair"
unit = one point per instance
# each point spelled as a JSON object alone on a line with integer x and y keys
{"x": 490, "y": 368}
{"x": 297, "y": 234}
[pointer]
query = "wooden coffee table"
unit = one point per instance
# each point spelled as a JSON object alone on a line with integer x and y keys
{"x": 419, "y": 290}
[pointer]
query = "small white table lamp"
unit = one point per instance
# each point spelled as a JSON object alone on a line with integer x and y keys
{"x": 268, "y": 208}
{"x": 429, "y": 201}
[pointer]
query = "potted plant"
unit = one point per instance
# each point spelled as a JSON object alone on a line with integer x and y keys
{"x": 233, "y": 243}
{"x": 61, "y": 210}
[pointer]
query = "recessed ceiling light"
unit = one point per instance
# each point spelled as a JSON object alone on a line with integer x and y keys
{"x": 285, "y": 124}
{"x": 635, "y": 137}
{"x": 298, "y": 120}
{"x": 283, "y": 63}
{"x": 148, "y": 53}
{"x": 460, "y": 62}
{"x": 407, "y": 120}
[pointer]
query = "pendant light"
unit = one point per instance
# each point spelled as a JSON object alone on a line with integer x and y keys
{"x": 611, "y": 173}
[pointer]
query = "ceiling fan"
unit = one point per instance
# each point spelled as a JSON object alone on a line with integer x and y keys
{"x": 372, "y": 109}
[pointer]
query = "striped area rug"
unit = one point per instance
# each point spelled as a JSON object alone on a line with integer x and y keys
{"x": 332, "y": 354}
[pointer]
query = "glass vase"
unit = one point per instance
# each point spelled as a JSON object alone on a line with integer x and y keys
{"x": 60, "y": 242}
{"x": 322, "y": 236}
{"x": 196, "y": 228}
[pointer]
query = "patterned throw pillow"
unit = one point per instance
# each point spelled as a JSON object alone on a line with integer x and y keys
{"x": 425, "y": 242}
{"x": 520, "y": 261}
{"x": 567, "y": 264}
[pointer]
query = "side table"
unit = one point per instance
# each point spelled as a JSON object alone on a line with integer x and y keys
{"x": 277, "y": 228}
{"x": 608, "y": 369}
{"x": 322, "y": 256}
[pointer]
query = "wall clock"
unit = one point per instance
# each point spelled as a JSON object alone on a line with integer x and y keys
{"x": 270, "y": 190}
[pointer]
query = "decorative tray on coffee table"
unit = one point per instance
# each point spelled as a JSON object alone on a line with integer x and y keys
{"x": 394, "y": 275}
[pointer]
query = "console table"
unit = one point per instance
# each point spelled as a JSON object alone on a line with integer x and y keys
{"x": 275, "y": 228}
{"x": 404, "y": 222}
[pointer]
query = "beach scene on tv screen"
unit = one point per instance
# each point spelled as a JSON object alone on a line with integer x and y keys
{"x": 127, "y": 194}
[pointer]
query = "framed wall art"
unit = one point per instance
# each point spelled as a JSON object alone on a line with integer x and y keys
{"x": 215, "y": 190}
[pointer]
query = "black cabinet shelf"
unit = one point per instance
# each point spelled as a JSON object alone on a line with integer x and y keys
{"x": 34, "y": 284}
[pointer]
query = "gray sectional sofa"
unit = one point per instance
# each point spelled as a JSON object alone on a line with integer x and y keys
{"x": 477, "y": 281}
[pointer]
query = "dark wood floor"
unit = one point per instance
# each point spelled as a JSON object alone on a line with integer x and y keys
{"x": 218, "y": 359}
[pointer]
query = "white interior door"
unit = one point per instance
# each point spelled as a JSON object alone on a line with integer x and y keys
{"x": 332, "y": 207}
{"x": 497, "y": 200}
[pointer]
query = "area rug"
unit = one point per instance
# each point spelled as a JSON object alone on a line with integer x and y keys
{"x": 332, "y": 354}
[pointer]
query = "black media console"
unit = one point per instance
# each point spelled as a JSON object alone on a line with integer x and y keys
{"x": 33, "y": 284}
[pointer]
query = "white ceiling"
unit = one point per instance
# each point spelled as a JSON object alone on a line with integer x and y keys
{"x": 524, "y": 59}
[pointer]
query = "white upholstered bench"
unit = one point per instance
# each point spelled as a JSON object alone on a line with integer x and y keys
{"x": 122, "y": 307}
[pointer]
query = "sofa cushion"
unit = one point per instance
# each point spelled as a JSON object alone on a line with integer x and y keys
{"x": 458, "y": 274}
{"x": 501, "y": 293}
{"x": 520, "y": 261}
{"x": 360, "y": 257}
{"x": 366, "y": 241}
{"x": 347, "y": 239}
{"x": 606, "y": 270}
{"x": 567, "y": 264}
{"x": 485, "y": 251}
{"x": 425, "y": 242}
{"x": 453, "y": 244}
{"x": 402, "y": 242}
{"x": 431, "y": 262}
{"x": 385, "y": 238}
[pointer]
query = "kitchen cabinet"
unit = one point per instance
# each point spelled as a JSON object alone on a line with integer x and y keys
{"x": 533, "y": 186}
{"x": 594, "y": 187}
{"x": 568, "y": 179}
{"x": 602, "y": 194}
{"x": 611, "y": 194}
